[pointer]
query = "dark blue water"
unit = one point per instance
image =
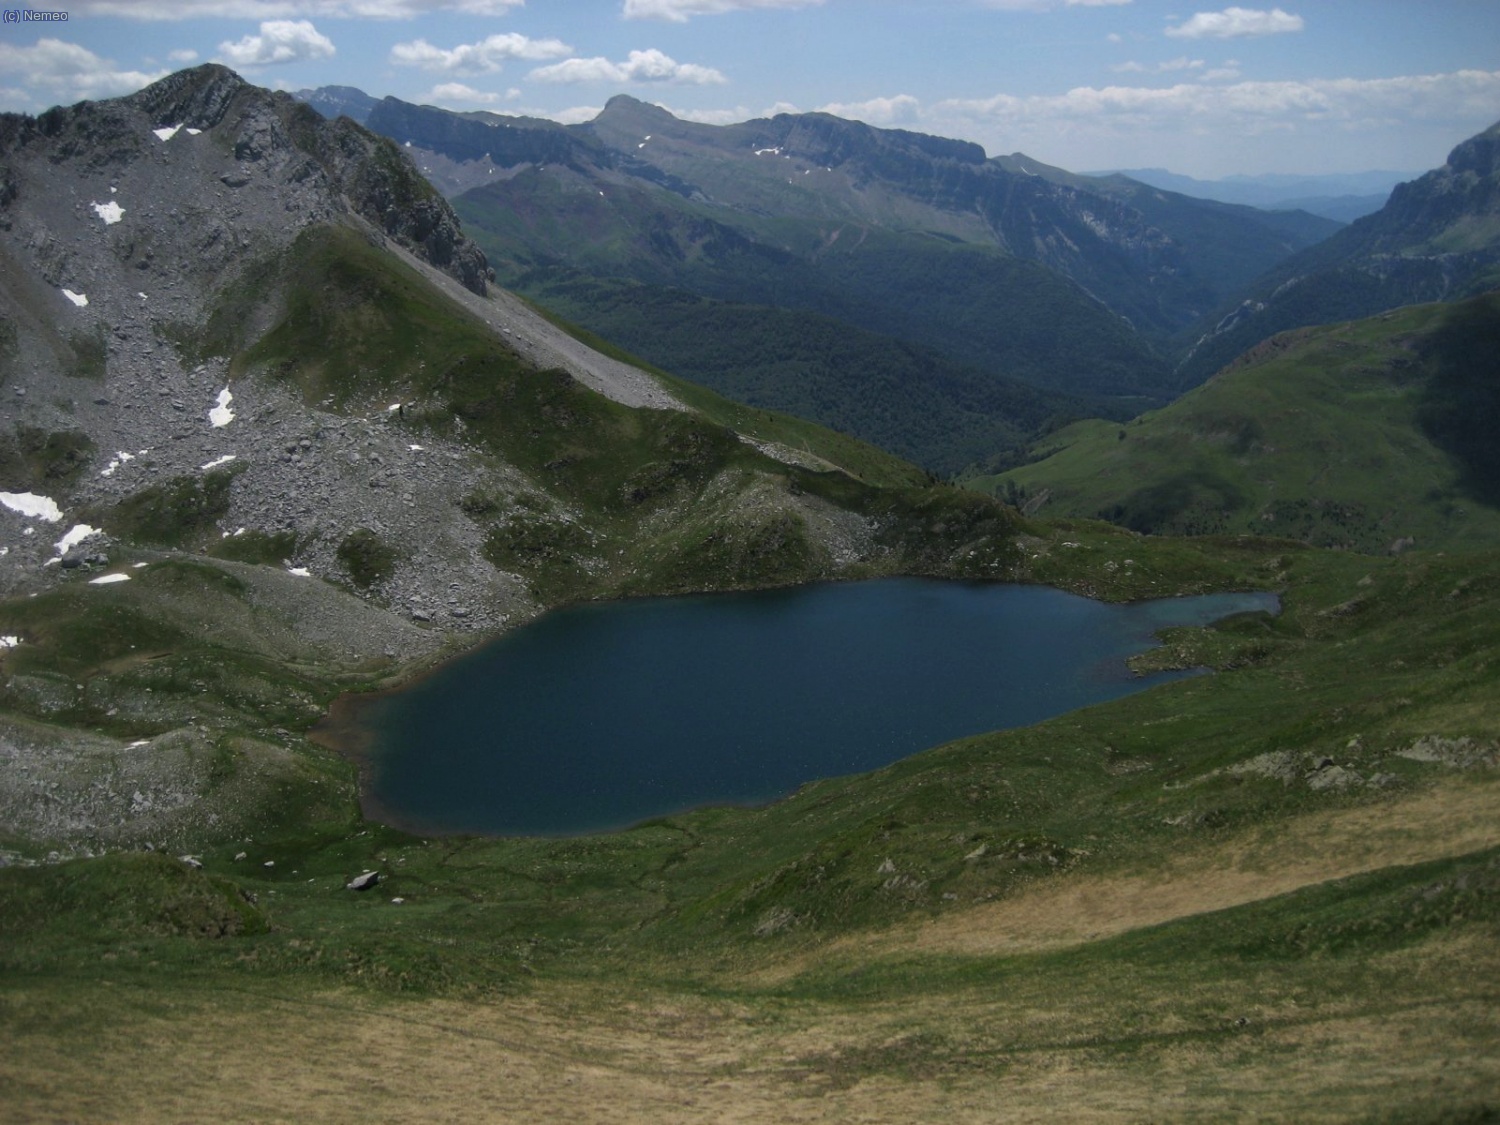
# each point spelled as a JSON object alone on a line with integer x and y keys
{"x": 600, "y": 716}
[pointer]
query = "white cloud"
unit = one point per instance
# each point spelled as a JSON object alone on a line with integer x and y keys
{"x": 1206, "y": 125}
{"x": 1049, "y": 5}
{"x": 185, "y": 55}
{"x": 456, "y": 93}
{"x": 1236, "y": 23}
{"x": 901, "y": 109}
{"x": 169, "y": 10}
{"x": 279, "y": 41}
{"x": 718, "y": 116}
{"x": 1210, "y": 129}
{"x": 485, "y": 57}
{"x": 574, "y": 115}
{"x": 1182, "y": 63}
{"x": 641, "y": 66}
{"x": 1352, "y": 102}
{"x": 680, "y": 11}
{"x": 68, "y": 72}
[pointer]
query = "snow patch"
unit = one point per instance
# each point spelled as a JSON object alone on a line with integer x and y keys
{"x": 110, "y": 212}
{"x": 32, "y": 506}
{"x": 109, "y": 579}
{"x": 79, "y": 532}
{"x": 167, "y": 133}
{"x": 120, "y": 458}
{"x": 221, "y": 415}
{"x": 299, "y": 571}
{"x": 9, "y": 641}
{"x": 194, "y": 132}
{"x": 415, "y": 448}
{"x": 393, "y": 407}
{"x": 79, "y": 299}
{"x": 217, "y": 461}
{"x": 139, "y": 566}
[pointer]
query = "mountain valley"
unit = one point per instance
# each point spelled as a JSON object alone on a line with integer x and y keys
{"x": 286, "y": 424}
{"x": 920, "y": 241}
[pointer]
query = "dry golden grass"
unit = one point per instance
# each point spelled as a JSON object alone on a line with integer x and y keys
{"x": 566, "y": 1055}
{"x": 1403, "y": 1029}
{"x": 1454, "y": 818}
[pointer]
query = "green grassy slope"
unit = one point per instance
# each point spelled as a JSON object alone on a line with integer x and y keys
{"x": 1287, "y": 857}
{"x": 974, "y": 304}
{"x": 1354, "y": 435}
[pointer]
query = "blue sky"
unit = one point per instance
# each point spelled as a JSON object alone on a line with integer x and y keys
{"x": 1312, "y": 87}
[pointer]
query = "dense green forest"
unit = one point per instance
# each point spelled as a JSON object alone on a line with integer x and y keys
{"x": 943, "y": 415}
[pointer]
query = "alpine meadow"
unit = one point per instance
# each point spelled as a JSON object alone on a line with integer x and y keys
{"x": 307, "y": 398}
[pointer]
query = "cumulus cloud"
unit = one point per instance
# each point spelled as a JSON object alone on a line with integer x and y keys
{"x": 485, "y": 57}
{"x": 650, "y": 66}
{"x": 901, "y": 109}
{"x": 1236, "y": 23}
{"x": 162, "y": 10}
{"x": 1048, "y": 5}
{"x": 573, "y": 115}
{"x": 1167, "y": 67}
{"x": 456, "y": 93}
{"x": 1226, "y": 73}
{"x": 185, "y": 55}
{"x": 1205, "y": 120}
{"x": 721, "y": 116}
{"x": 680, "y": 11}
{"x": 1350, "y": 101}
{"x": 69, "y": 73}
{"x": 279, "y": 41}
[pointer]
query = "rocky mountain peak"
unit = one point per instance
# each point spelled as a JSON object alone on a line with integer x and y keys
{"x": 1438, "y": 212}
{"x": 1477, "y": 154}
{"x": 197, "y": 98}
{"x": 624, "y": 107}
{"x": 197, "y": 132}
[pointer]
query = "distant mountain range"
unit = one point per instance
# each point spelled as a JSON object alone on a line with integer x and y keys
{"x": 989, "y": 280}
{"x": 910, "y": 291}
{"x": 1437, "y": 239}
{"x": 1343, "y": 197}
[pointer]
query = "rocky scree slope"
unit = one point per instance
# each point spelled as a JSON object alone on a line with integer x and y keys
{"x": 268, "y": 433}
{"x": 124, "y": 223}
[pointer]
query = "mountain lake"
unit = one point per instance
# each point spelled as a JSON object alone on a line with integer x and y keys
{"x": 599, "y": 716}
